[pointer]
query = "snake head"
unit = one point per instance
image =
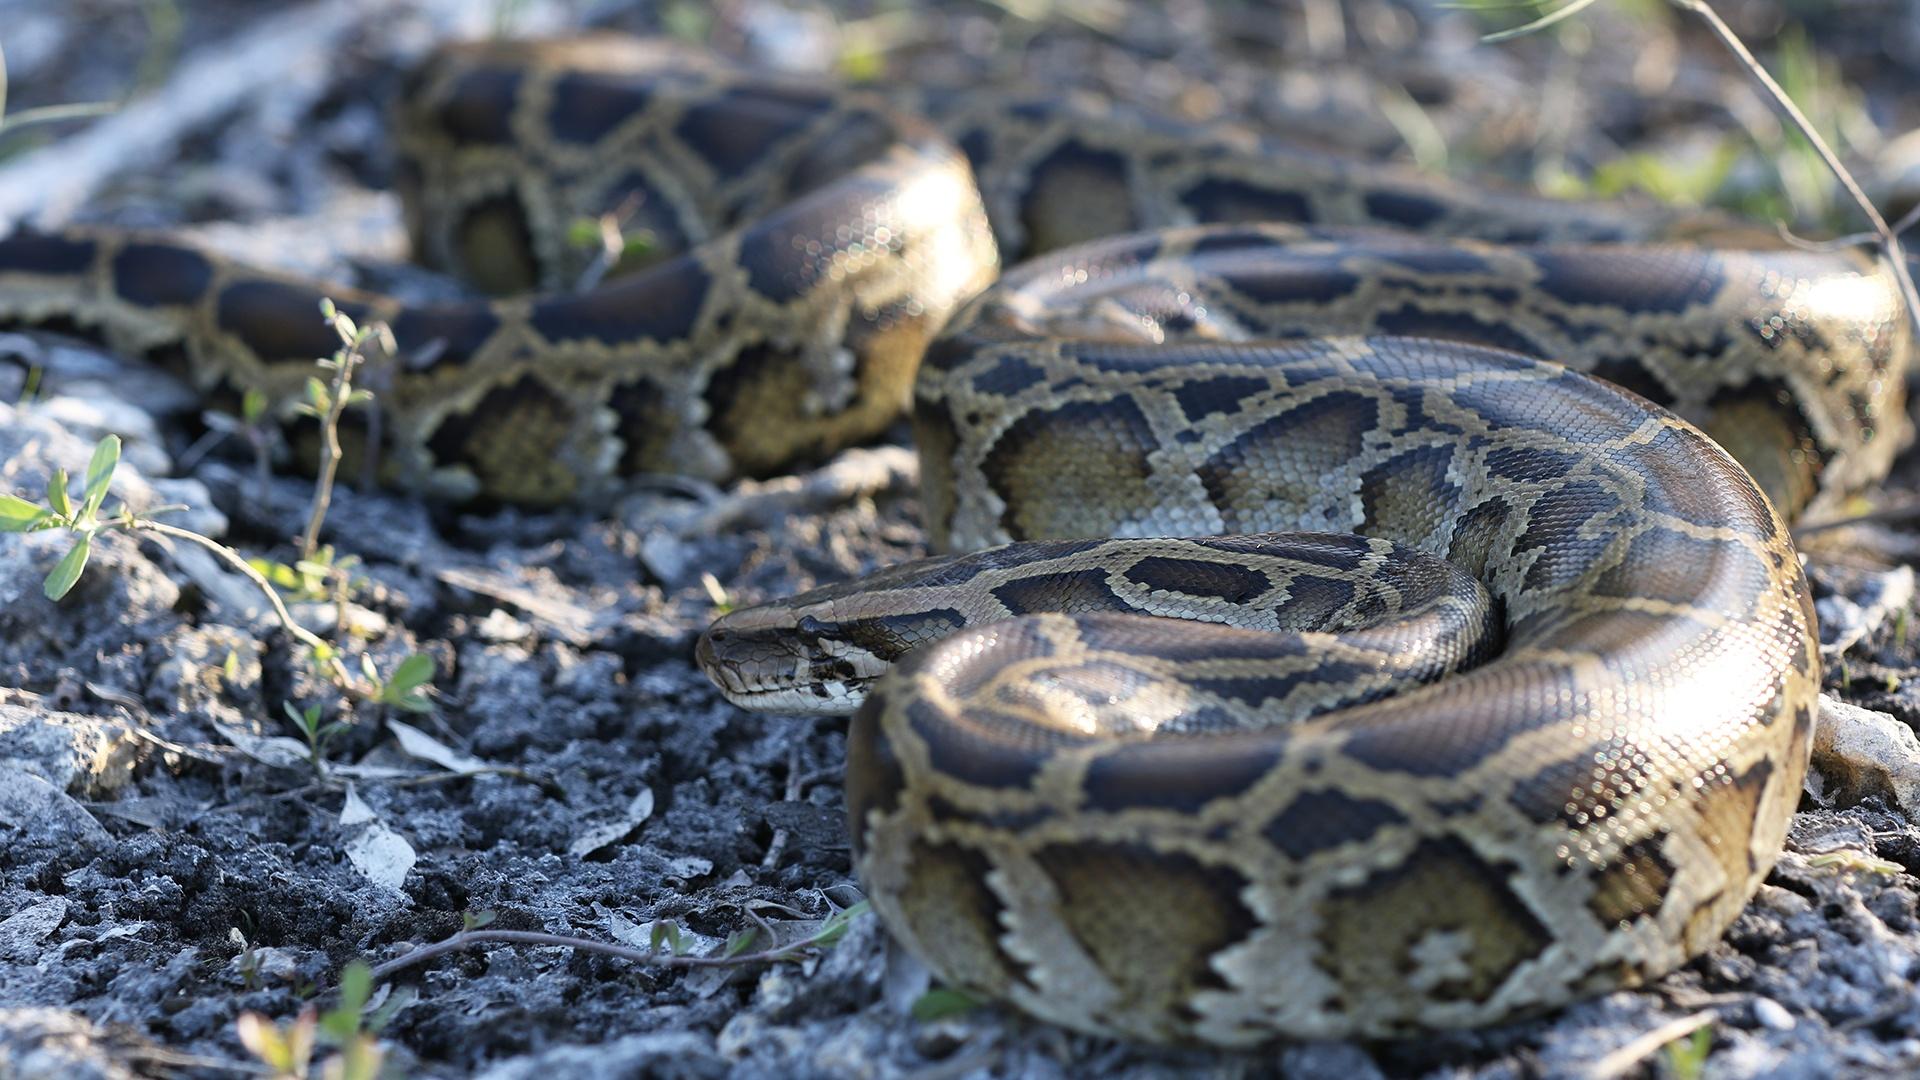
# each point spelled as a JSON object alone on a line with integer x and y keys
{"x": 819, "y": 652}
{"x": 795, "y": 656}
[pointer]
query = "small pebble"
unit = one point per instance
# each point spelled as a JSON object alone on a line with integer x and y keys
{"x": 1772, "y": 1015}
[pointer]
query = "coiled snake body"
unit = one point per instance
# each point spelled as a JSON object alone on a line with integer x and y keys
{"x": 1531, "y": 729}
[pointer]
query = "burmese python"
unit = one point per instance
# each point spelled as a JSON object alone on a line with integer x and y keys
{"x": 1126, "y": 824}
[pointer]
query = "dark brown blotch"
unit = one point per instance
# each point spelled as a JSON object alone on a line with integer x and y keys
{"x": 517, "y": 441}
{"x": 493, "y": 246}
{"x": 985, "y": 748}
{"x": 161, "y": 275}
{"x": 736, "y": 130}
{"x": 1225, "y": 199}
{"x": 589, "y": 105}
{"x": 954, "y": 917}
{"x": 1117, "y": 901}
{"x": 1370, "y": 933}
{"x": 1282, "y": 465}
{"x": 1177, "y": 773}
{"x": 45, "y": 253}
{"x": 479, "y": 106}
{"x": 1407, "y": 209}
{"x": 1317, "y": 821}
{"x": 450, "y": 333}
{"x": 1200, "y": 577}
{"x": 889, "y": 637}
{"x": 1674, "y": 282}
{"x": 280, "y": 321}
{"x": 1408, "y": 496}
{"x": 1068, "y": 592}
{"x": 1633, "y": 885}
{"x": 1075, "y": 194}
{"x": 1225, "y": 394}
{"x": 662, "y": 305}
{"x": 1078, "y": 469}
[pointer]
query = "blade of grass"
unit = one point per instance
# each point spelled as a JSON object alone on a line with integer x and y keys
{"x": 1890, "y": 246}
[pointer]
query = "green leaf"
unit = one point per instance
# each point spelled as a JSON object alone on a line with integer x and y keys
{"x": 279, "y": 574}
{"x": 583, "y": 232}
{"x": 253, "y": 406}
{"x": 57, "y": 494}
{"x": 942, "y": 1002}
{"x": 740, "y": 940}
{"x": 356, "y": 986}
{"x": 67, "y": 571}
{"x": 414, "y": 672}
{"x": 665, "y": 932}
{"x": 413, "y": 703}
{"x": 837, "y": 923}
{"x": 19, "y": 515}
{"x": 106, "y": 458}
{"x": 307, "y": 720}
{"x": 474, "y": 920}
{"x": 345, "y": 327}
{"x": 327, "y": 310}
{"x": 317, "y": 397}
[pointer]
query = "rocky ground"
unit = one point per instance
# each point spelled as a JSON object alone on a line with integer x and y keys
{"x": 171, "y": 859}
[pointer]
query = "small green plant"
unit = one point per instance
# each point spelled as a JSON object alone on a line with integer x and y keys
{"x": 317, "y": 731}
{"x": 942, "y": 1002}
{"x": 248, "y": 962}
{"x": 716, "y": 593}
{"x": 287, "y": 1049}
{"x": 1685, "y": 1058}
{"x": 612, "y": 245}
{"x": 255, "y": 426}
{"x": 318, "y": 574}
{"x": 83, "y": 519}
{"x": 327, "y": 402}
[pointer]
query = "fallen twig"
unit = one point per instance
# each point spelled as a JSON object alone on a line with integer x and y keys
{"x": 829, "y": 932}
{"x": 1630, "y": 1056}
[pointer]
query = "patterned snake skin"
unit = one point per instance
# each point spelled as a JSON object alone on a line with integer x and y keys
{"x": 1495, "y": 688}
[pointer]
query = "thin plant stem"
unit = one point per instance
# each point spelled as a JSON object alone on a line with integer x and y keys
{"x": 335, "y": 666}
{"x": 329, "y": 450}
{"x": 1888, "y": 237}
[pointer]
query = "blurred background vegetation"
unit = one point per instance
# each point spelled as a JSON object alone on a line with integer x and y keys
{"x": 1625, "y": 96}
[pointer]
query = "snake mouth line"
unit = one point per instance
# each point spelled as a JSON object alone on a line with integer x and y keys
{"x": 817, "y": 699}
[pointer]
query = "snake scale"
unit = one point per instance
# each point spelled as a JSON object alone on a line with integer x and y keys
{"x": 1342, "y": 658}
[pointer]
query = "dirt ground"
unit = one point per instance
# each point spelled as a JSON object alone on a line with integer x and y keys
{"x": 170, "y": 859}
